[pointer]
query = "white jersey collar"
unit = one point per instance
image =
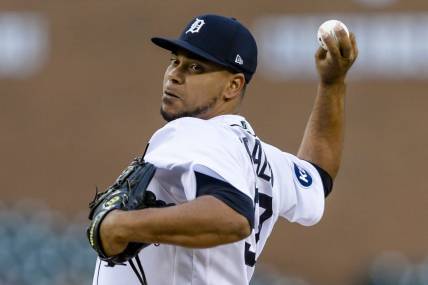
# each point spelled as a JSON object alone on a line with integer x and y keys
{"x": 233, "y": 120}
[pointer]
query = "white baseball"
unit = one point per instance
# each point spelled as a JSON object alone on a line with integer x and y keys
{"x": 328, "y": 28}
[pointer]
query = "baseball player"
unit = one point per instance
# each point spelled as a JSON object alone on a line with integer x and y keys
{"x": 226, "y": 186}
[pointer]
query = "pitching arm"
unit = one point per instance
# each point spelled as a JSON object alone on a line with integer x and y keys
{"x": 322, "y": 142}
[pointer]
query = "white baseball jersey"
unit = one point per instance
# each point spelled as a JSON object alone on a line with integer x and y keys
{"x": 226, "y": 148}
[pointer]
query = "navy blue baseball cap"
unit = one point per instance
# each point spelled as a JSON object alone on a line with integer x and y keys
{"x": 218, "y": 39}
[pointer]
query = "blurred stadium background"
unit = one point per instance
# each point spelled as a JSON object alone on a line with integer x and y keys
{"x": 79, "y": 97}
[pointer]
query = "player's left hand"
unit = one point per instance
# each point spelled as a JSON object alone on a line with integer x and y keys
{"x": 110, "y": 243}
{"x": 128, "y": 193}
{"x": 334, "y": 63}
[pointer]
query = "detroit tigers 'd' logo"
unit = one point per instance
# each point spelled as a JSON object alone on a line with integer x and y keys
{"x": 196, "y": 26}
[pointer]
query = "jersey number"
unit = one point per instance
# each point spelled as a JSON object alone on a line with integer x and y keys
{"x": 265, "y": 202}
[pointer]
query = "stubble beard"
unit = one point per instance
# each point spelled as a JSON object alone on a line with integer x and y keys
{"x": 195, "y": 113}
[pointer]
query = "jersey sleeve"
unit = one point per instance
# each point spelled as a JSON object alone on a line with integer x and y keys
{"x": 300, "y": 188}
{"x": 188, "y": 145}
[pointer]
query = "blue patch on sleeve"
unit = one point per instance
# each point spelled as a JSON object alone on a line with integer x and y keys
{"x": 302, "y": 176}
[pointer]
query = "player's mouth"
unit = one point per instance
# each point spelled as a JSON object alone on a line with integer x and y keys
{"x": 170, "y": 94}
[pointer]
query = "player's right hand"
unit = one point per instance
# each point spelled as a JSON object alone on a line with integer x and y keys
{"x": 333, "y": 63}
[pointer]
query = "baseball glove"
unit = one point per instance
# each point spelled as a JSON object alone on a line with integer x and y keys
{"x": 129, "y": 192}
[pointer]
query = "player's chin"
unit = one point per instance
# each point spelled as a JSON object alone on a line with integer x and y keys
{"x": 168, "y": 115}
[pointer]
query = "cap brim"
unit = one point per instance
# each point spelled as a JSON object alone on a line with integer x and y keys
{"x": 174, "y": 45}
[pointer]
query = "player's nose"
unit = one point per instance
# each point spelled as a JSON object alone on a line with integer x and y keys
{"x": 175, "y": 75}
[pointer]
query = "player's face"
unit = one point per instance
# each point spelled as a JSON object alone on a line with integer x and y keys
{"x": 193, "y": 87}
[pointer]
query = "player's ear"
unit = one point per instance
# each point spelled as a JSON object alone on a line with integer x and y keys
{"x": 235, "y": 85}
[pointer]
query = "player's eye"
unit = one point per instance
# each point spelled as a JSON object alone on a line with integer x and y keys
{"x": 173, "y": 61}
{"x": 196, "y": 67}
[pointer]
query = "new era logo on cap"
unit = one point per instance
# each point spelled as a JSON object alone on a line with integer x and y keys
{"x": 239, "y": 59}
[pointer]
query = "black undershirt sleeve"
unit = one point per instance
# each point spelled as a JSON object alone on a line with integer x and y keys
{"x": 327, "y": 181}
{"x": 238, "y": 201}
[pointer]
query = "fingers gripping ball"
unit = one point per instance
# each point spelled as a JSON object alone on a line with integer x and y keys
{"x": 328, "y": 27}
{"x": 129, "y": 192}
